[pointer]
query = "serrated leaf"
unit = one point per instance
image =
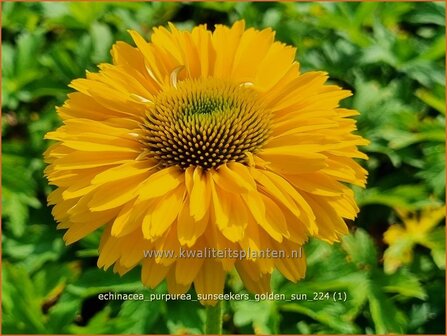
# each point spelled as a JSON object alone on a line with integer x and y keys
{"x": 403, "y": 196}
{"x": 95, "y": 281}
{"x": 8, "y": 55}
{"x": 387, "y": 318}
{"x": 21, "y": 304}
{"x": 102, "y": 41}
{"x": 32, "y": 250}
{"x": 261, "y": 316}
{"x": 436, "y": 243}
{"x": 64, "y": 312}
{"x": 404, "y": 283}
{"x": 360, "y": 248}
{"x": 328, "y": 315}
{"x": 432, "y": 100}
{"x": 184, "y": 317}
{"x": 28, "y": 45}
{"x": 142, "y": 315}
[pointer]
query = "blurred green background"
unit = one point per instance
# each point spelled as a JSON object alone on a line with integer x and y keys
{"x": 391, "y": 55}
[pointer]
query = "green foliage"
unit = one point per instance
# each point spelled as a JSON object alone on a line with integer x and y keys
{"x": 391, "y": 55}
{"x": 367, "y": 288}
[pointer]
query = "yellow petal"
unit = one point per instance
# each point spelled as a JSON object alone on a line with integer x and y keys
{"x": 210, "y": 280}
{"x": 114, "y": 194}
{"x": 275, "y": 220}
{"x": 274, "y": 66}
{"x": 221, "y": 205}
{"x": 306, "y": 210}
{"x": 91, "y": 222}
{"x": 109, "y": 251}
{"x": 330, "y": 225}
{"x": 84, "y": 160}
{"x": 186, "y": 269}
{"x": 294, "y": 159}
{"x": 231, "y": 218}
{"x": 154, "y": 63}
{"x": 152, "y": 273}
{"x": 273, "y": 190}
{"x": 253, "y": 279}
{"x": 200, "y": 194}
{"x": 133, "y": 254}
{"x": 188, "y": 229}
{"x": 128, "y": 220}
{"x": 346, "y": 170}
{"x": 202, "y": 39}
{"x": 235, "y": 229}
{"x": 120, "y": 269}
{"x": 317, "y": 183}
{"x": 292, "y": 268}
{"x": 245, "y": 68}
{"x": 165, "y": 213}
{"x": 225, "y": 42}
{"x": 174, "y": 287}
{"x": 255, "y": 204}
{"x": 306, "y": 85}
{"x": 299, "y": 232}
{"x": 243, "y": 172}
{"x": 231, "y": 181}
{"x": 128, "y": 169}
{"x": 167, "y": 247}
{"x": 344, "y": 206}
{"x": 160, "y": 183}
{"x": 214, "y": 237}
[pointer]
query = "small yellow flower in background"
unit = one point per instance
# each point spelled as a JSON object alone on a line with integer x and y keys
{"x": 418, "y": 229}
{"x": 200, "y": 140}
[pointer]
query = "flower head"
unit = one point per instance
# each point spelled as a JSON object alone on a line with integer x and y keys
{"x": 418, "y": 229}
{"x": 204, "y": 140}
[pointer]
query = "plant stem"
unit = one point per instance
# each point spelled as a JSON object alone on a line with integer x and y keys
{"x": 213, "y": 322}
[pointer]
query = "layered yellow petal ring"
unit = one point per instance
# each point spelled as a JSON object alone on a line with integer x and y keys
{"x": 204, "y": 140}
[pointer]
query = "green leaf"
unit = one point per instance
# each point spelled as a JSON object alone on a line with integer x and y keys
{"x": 432, "y": 100}
{"x": 142, "y": 315}
{"x": 428, "y": 13}
{"x": 436, "y": 244}
{"x": 28, "y": 46}
{"x": 221, "y": 7}
{"x": 32, "y": 250}
{"x": 340, "y": 276}
{"x": 387, "y": 318}
{"x": 19, "y": 189}
{"x": 404, "y": 283}
{"x": 90, "y": 283}
{"x": 260, "y": 315}
{"x": 435, "y": 51}
{"x": 86, "y": 13}
{"x": 95, "y": 281}
{"x": 8, "y": 55}
{"x": 327, "y": 313}
{"x": 16, "y": 209}
{"x": 55, "y": 9}
{"x": 419, "y": 315}
{"x": 397, "y": 254}
{"x": 433, "y": 170}
{"x": 184, "y": 317}
{"x": 64, "y": 312}
{"x": 102, "y": 41}
{"x": 21, "y": 303}
{"x": 50, "y": 280}
{"x": 360, "y": 248}
{"x": 100, "y": 323}
{"x": 404, "y": 196}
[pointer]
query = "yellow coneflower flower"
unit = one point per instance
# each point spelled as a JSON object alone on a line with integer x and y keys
{"x": 417, "y": 230}
{"x": 199, "y": 140}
